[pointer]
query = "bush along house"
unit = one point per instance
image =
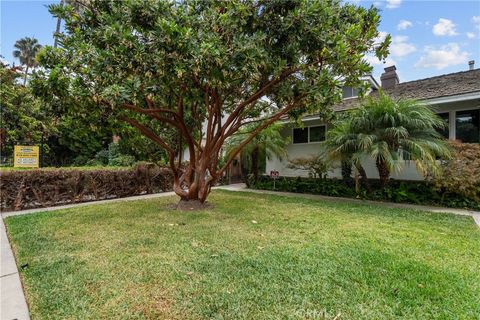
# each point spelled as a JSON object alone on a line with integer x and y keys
{"x": 455, "y": 97}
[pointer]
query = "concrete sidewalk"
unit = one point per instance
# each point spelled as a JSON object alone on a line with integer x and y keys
{"x": 12, "y": 300}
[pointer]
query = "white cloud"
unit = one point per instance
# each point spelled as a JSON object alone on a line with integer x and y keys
{"x": 4, "y": 61}
{"x": 404, "y": 24}
{"x": 443, "y": 57}
{"x": 381, "y": 36}
{"x": 476, "y": 21}
{"x": 471, "y": 35}
{"x": 392, "y": 4}
{"x": 444, "y": 27}
{"x": 374, "y": 61}
{"x": 400, "y": 47}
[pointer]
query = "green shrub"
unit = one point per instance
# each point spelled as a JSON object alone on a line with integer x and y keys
{"x": 80, "y": 160}
{"x": 122, "y": 161}
{"x": 102, "y": 157}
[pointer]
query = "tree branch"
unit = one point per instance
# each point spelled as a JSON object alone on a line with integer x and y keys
{"x": 270, "y": 121}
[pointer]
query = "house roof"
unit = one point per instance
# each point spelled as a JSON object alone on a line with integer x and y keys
{"x": 436, "y": 87}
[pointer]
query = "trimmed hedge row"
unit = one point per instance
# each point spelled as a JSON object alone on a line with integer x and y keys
{"x": 416, "y": 192}
{"x": 24, "y": 189}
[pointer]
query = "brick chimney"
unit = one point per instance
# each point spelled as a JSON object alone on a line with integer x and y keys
{"x": 389, "y": 78}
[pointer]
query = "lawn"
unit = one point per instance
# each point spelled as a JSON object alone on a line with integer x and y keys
{"x": 251, "y": 256}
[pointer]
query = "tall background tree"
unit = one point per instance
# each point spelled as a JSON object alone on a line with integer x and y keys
{"x": 26, "y": 50}
{"x": 58, "y": 27}
{"x": 205, "y": 69}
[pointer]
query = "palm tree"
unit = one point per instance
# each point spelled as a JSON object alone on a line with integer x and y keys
{"x": 26, "y": 51}
{"x": 57, "y": 29}
{"x": 392, "y": 132}
{"x": 269, "y": 142}
{"x": 77, "y": 7}
{"x": 342, "y": 145}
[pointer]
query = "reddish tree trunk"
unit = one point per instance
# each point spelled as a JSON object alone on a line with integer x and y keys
{"x": 194, "y": 185}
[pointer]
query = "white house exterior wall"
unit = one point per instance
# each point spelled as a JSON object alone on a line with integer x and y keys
{"x": 409, "y": 171}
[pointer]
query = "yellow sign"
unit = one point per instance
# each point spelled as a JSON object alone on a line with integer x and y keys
{"x": 26, "y": 157}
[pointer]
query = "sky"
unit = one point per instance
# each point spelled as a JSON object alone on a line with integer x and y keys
{"x": 430, "y": 38}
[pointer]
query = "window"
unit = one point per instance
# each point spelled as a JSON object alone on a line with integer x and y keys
{"x": 468, "y": 125}
{"x": 309, "y": 134}
{"x": 444, "y": 131}
{"x": 317, "y": 133}
{"x": 349, "y": 92}
{"x": 300, "y": 135}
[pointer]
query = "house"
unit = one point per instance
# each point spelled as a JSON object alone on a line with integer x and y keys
{"x": 455, "y": 97}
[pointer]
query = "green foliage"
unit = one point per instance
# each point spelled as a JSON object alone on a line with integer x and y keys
{"x": 265, "y": 145}
{"x": 113, "y": 156}
{"x": 81, "y": 129}
{"x": 390, "y": 132}
{"x": 22, "y": 119}
{"x": 122, "y": 161}
{"x": 102, "y": 157}
{"x": 116, "y": 158}
{"x": 226, "y": 44}
{"x": 137, "y": 145}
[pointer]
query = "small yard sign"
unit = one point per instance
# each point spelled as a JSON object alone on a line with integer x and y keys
{"x": 274, "y": 175}
{"x": 26, "y": 157}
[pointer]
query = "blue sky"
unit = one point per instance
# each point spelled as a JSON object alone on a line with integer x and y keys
{"x": 429, "y": 37}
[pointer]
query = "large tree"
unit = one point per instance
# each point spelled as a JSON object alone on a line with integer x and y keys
{"x": 26, "y": 50}
{"x": 205, "y": 69}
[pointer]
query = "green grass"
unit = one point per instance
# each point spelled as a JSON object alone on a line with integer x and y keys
{"x": 302, "y": 259}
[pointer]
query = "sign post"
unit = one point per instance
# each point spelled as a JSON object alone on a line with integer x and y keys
{"x": 274, "y": 175}
{"x": 26, "y": 157}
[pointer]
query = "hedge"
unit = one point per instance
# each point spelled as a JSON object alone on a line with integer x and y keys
{"x": 416, "y": 192}
{"x": 24, "y": 189}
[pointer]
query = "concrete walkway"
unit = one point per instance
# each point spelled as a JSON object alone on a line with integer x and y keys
{"x": 12, "y": 300}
